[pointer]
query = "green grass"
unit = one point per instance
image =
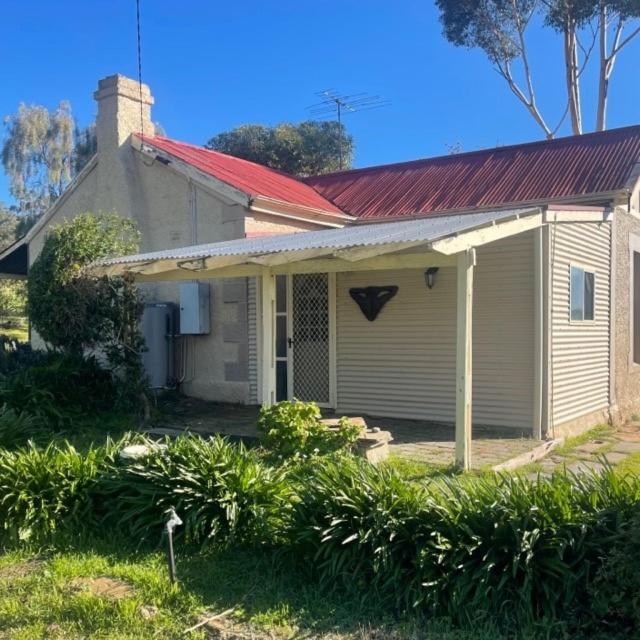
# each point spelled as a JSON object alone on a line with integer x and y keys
{"x": 630, "y": 465}
{"x": 45, "y": 596}
{"x": 414, "y": 470}
{"x": 602, "y": 431}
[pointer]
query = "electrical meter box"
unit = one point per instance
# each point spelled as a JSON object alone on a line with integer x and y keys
{"x": 195, "y": 312}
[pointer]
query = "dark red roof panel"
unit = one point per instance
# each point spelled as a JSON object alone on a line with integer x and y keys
{"x": 250, "y": 178}
{"x": 539, "y": 171}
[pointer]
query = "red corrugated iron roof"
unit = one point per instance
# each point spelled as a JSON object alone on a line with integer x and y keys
{"x": 250, "y": 178}
{"x": 548, "y": 170}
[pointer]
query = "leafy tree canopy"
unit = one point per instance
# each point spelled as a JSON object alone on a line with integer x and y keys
{"x": 303, "y": 149}
{"x": 589, "y": 28}
{"x": 42, "y": 151}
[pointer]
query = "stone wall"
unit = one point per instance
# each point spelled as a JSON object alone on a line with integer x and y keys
{"x": 626, "y": 379}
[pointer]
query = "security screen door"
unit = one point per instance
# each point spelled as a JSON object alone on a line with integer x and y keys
{"x": 303, "y": 338}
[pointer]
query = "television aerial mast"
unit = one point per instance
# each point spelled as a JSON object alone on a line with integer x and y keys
{"x": 334, "y": 105}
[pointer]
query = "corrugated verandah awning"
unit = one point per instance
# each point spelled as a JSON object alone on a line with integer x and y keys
{"x": 328, "y": 250}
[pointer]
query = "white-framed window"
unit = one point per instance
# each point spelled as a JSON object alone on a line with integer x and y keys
{"x": 582, "y": 294}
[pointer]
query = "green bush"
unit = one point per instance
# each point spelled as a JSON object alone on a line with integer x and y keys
{"x": 15, "y": 356}
{"x": 223, "y": 492}
{"x": 615, "y": 592}
{"x": 58, "y": 389}
{"x": 502, "y": 546}
{"x": 47, "y": 491}
{"x": 17, "y": 429}
{"x": 294, "y": 428}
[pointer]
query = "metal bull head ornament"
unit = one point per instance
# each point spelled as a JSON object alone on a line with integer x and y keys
{"x": 372, "y": 299}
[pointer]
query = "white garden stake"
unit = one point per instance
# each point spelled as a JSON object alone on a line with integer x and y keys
{"x": 173, "y": 522}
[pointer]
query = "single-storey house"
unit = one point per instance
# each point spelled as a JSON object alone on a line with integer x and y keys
{"x": 498, "y": 287}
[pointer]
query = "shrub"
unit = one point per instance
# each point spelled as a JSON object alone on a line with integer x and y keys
{"x": 15, "y": 356}
{"x": 615, "y": 592}
{"x": 47, "y": 491}
{"x": 499, "y": 546}
{"x": 291, "y": 428}
{"x": 16, "y": 429}
{"x": 59, "y": 389}
{"x": 75, "y": 311}
{"x": 223, "y": 492}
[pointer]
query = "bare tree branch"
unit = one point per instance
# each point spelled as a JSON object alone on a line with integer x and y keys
{"x": 615, "y": 49}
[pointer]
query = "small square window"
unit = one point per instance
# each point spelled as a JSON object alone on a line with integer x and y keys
{"x": 582, "y": 294}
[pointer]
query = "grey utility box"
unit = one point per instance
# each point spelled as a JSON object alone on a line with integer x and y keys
{"x": 195, "y": 314}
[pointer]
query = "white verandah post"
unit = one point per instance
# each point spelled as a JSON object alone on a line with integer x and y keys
{"x": 267, "y": 339}
{"x": 466, "y": 262}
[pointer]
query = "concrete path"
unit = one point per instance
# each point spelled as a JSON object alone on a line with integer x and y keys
{"x": 614, "y": 446}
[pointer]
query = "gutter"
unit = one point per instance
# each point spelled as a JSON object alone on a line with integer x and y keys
{"x": 606, "y": 196}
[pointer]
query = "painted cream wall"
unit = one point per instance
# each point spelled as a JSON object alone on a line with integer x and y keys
{"x": 580, "y": 356}
{"x": 403, "y": 363}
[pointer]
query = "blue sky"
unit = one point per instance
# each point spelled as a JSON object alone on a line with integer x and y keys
{"x": 215, "y": 65}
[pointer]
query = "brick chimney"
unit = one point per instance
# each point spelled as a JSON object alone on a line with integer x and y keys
{"x": 119, "y": 101}
{"x": 120, "y": 108}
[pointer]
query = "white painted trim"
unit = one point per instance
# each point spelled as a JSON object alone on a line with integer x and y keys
{"x": 268, "y": 367}
{"x": 333, "y": 342}
{"x": 322, "y": 265}
{"x": 259, "y": 338}
{"x": 585, "y": 269}
{"x": 291, "y": 350}
{"x": 464, "y": 349}
{"x": 562, "y": 215}
{"x": 538, "y": 331}
{"x": 490, "y": 233}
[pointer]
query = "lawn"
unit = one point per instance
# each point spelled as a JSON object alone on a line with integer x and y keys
{"x": 51, "y": 595}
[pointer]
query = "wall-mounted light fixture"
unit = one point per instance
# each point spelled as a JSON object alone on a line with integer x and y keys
{"x": 430, "y": 276}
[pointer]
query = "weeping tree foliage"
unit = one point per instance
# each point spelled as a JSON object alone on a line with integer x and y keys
{"x": 42, "y": 151}
{"x": 307, "y": 148}
{"x": 75, "y": 311}
{"x": 589, "y": 29}
{"x": 37, "y": 154}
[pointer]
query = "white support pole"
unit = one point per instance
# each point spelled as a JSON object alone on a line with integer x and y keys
{"x": 538, "y": 332}
{"x": 464, "y": 345}
{"x": 268, "y": 359}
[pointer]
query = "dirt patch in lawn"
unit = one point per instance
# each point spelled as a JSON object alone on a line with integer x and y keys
{"x": 21, "y": 569}
{"x": 104, "y": 587}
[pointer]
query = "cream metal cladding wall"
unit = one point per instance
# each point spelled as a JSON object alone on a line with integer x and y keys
{"x": 579, "y": 382}
{"x": 403, "y": 363}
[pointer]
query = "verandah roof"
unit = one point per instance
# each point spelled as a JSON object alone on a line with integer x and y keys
{"x": 338, "y": 248}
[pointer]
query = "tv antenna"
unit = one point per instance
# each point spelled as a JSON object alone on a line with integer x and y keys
{"x": 334, "y": 105}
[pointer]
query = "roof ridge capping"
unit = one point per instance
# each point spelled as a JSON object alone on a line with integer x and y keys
{"x": 583, "y": 137}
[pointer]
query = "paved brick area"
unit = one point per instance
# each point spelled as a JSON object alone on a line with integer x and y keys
{"x": 420, "y": 440}
{"x": 435, "y": 442}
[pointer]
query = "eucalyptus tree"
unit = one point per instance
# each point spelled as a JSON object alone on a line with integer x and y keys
{"x": 589, "y": 29}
